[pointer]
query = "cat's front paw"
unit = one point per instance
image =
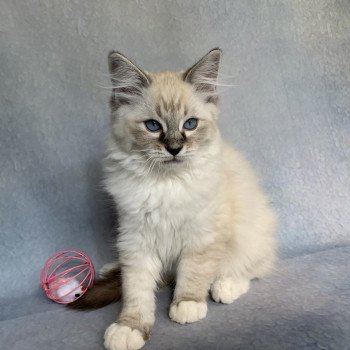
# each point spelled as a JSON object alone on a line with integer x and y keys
{"x": 120, "y": 337}
{"x": 188, "y": 311}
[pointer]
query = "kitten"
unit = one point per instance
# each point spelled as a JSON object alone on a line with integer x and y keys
{"x": 189, "y": 205}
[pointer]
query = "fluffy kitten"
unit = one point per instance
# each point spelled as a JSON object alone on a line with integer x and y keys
{"x": 189, "y": 205}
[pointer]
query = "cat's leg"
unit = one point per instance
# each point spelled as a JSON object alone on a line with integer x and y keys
{"x": 136, "y": 319}
{"x": 226, "y": 289}
{"x": 194, "y": 276}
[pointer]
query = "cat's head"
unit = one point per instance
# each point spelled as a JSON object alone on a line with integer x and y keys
{"x": 165, "y": 118}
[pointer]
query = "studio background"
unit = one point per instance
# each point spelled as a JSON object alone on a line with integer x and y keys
{"x": 288, "y": 110}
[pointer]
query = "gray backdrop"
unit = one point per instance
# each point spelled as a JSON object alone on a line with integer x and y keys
{"x": 288, "y": 110}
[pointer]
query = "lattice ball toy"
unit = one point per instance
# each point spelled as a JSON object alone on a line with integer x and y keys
{"x": 67, "y": 275}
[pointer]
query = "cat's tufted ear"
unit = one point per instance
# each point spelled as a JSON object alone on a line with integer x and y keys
{"x": 127, "y": 79}
{"x": 203, "y": 75}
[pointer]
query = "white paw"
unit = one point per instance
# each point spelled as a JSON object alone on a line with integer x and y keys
{"x": 188, "y": 311}
{"x": 107, "y": 267}
{"x": 227, "y": 290}
{"x": 120, "y": 337}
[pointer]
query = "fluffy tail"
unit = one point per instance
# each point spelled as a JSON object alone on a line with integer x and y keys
{"x": 104, "y": 291}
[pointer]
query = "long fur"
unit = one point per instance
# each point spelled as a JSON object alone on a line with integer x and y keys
{"x": 201, "y": 218}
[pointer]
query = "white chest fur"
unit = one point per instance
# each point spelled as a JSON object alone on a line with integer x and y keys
{"x": 163, "y": 217}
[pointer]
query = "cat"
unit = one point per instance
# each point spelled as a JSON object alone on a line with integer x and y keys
{"x": 190, "y": 207}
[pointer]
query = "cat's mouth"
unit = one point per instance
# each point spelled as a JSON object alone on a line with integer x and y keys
{"x": 173, "y": 161}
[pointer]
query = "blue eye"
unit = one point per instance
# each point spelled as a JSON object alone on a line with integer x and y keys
{"x": 190, "y": 124}
{"x": 152, "y": 125}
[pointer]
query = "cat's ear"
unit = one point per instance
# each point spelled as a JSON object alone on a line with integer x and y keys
{"x": 128, "y": 80}
{"x": 203, "y": 75}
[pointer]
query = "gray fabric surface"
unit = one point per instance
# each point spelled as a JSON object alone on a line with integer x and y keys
{"x": 305, "y": 305}
{"x": 288, "y": 110}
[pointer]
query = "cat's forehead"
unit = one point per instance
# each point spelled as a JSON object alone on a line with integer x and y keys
{"x": 170, "y": 94}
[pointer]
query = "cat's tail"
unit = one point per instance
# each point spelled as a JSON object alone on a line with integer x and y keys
{"x": 105, "y": 290}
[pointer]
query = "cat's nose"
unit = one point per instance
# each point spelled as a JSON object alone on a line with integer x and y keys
{"x": 173, "y": 151}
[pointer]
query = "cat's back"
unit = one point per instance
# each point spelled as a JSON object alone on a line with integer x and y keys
{"x": 240, "y": 182}
{"x": 236, "y": 165}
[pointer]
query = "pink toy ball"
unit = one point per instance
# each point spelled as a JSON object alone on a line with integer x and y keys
{"x": 67, "y": 275}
